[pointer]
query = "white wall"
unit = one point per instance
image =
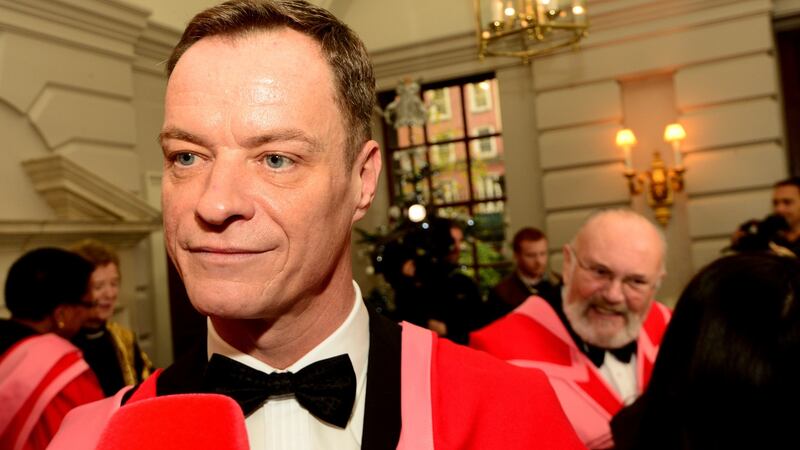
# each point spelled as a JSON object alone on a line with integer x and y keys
{"x": 80, "y": 94}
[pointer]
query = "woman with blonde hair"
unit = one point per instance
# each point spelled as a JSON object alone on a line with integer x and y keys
{"x": 110, "y": 348}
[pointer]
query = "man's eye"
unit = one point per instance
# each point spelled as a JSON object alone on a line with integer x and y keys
{"x": 601, "y": 271}
{"x": 277, "y": 161}
{"x": 185, "y": 159}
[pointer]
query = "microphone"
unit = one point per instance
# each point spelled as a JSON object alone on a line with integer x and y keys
{"x": 177, "y": 422}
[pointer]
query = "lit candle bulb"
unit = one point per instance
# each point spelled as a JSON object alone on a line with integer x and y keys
{"x": 529, "y": 8}
{"x": 541, "y": 6}
{"x": 509, "y": 10}
{"x": 497, "y": 10}
{"x": 674, "y": 134}
{"x": 579, "y": 12}
{"x": 626, "y": 139}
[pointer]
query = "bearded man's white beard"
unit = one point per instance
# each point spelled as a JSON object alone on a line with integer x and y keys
{"x": 577, "y": 314}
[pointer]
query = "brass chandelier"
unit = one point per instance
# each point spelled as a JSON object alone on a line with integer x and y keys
{"x": 528, "y": 28}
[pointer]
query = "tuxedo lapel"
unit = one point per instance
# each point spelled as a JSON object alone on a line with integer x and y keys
{"x": 382, "y": 405}
{"x": 185, "y": 376}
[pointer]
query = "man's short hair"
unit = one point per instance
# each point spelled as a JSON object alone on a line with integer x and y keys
{"x": 343, "y": 50}
{"x": 43, "y": 279}
{"x": 791, "y": 181}
{"x": 526, "y": 234}
{"x": 96, "y": 252}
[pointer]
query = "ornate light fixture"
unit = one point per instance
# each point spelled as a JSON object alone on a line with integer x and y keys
{"x": 528, "y": 28}
{"x": 662, "y": 181}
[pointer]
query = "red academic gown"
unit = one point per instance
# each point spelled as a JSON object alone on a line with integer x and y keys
{"x": 42, "y": 378}
{"x": 447, "y": 397}
{"x": 533, "y": 336}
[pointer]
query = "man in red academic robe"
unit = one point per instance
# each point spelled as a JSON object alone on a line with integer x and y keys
{"x": 597, "y": 345}
{"x": 268, "y": 163}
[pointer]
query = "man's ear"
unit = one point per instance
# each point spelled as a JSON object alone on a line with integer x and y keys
{"x": 566, "y": 265}
{"x": 368, "y": 168}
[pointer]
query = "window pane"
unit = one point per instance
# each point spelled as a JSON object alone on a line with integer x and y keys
{"x": 488, "y": 173}
{"x": 490, "y": 223}
{"x": 406, "y": 137}
{"x": 486, "y": 148}
{"x": 489, "y": 237}
{"x": 449, "y": 164}
{"x": 445, "y": 121}
{"x": 407, "y": 171}
{"x": 459, "y": 213}
{"x": 483, "y": 107}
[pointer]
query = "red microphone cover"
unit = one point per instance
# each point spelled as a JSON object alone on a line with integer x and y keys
{"x": 176, "y": 422}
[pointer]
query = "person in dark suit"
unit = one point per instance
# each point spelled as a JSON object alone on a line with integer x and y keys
{"x": 268, "y": 163}
{"x": 530, "y": 277}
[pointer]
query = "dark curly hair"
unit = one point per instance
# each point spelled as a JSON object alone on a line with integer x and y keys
{"x": 43, "y": 279}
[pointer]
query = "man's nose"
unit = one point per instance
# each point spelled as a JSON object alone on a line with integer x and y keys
{"x": 225, "y": 197}
{"x": 615, "y": 291}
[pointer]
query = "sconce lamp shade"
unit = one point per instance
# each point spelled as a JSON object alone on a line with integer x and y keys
{"x": 674, "y": 132}
{"x": 626, "y": 138}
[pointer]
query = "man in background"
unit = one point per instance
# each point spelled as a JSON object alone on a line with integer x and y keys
{"x": 786, "y": 203}
{"x": 778, "y": 232}
{"x": 597, "y": 344}
{"x": 530, "y": 277}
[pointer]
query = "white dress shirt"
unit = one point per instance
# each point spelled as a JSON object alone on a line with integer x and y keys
{"x": 621, "y": 376}
{"x": 281, "y": 423}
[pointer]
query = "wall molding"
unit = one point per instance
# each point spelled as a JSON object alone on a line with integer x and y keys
{"x": 75, "y": 193}
{"x": 109, "y": 26}
{"x": 24, "y": 235}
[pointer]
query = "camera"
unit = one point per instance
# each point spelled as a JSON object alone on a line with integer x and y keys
{"x": 757, "y": 235}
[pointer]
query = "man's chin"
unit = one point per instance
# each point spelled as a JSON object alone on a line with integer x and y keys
{"x": 233, "y": 310}
{"x": 604, "y": 336}
{"x": 235, "y": 306}
{"x": 612, "y": 338}
{"x": 618, "y": 340}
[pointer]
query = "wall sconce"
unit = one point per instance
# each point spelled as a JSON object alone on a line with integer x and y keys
{"x": 661, "y": 181}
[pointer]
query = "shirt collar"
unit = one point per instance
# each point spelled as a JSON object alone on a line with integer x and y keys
{"x": 351, "y": 338}
{"x": 528, "y": 280}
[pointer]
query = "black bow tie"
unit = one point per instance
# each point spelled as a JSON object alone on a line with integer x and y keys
{"x": 327, "y": 388}
{"x": 597, "y": 354}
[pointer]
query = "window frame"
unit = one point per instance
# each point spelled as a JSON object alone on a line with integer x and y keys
{"x": 490, "y": 204}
